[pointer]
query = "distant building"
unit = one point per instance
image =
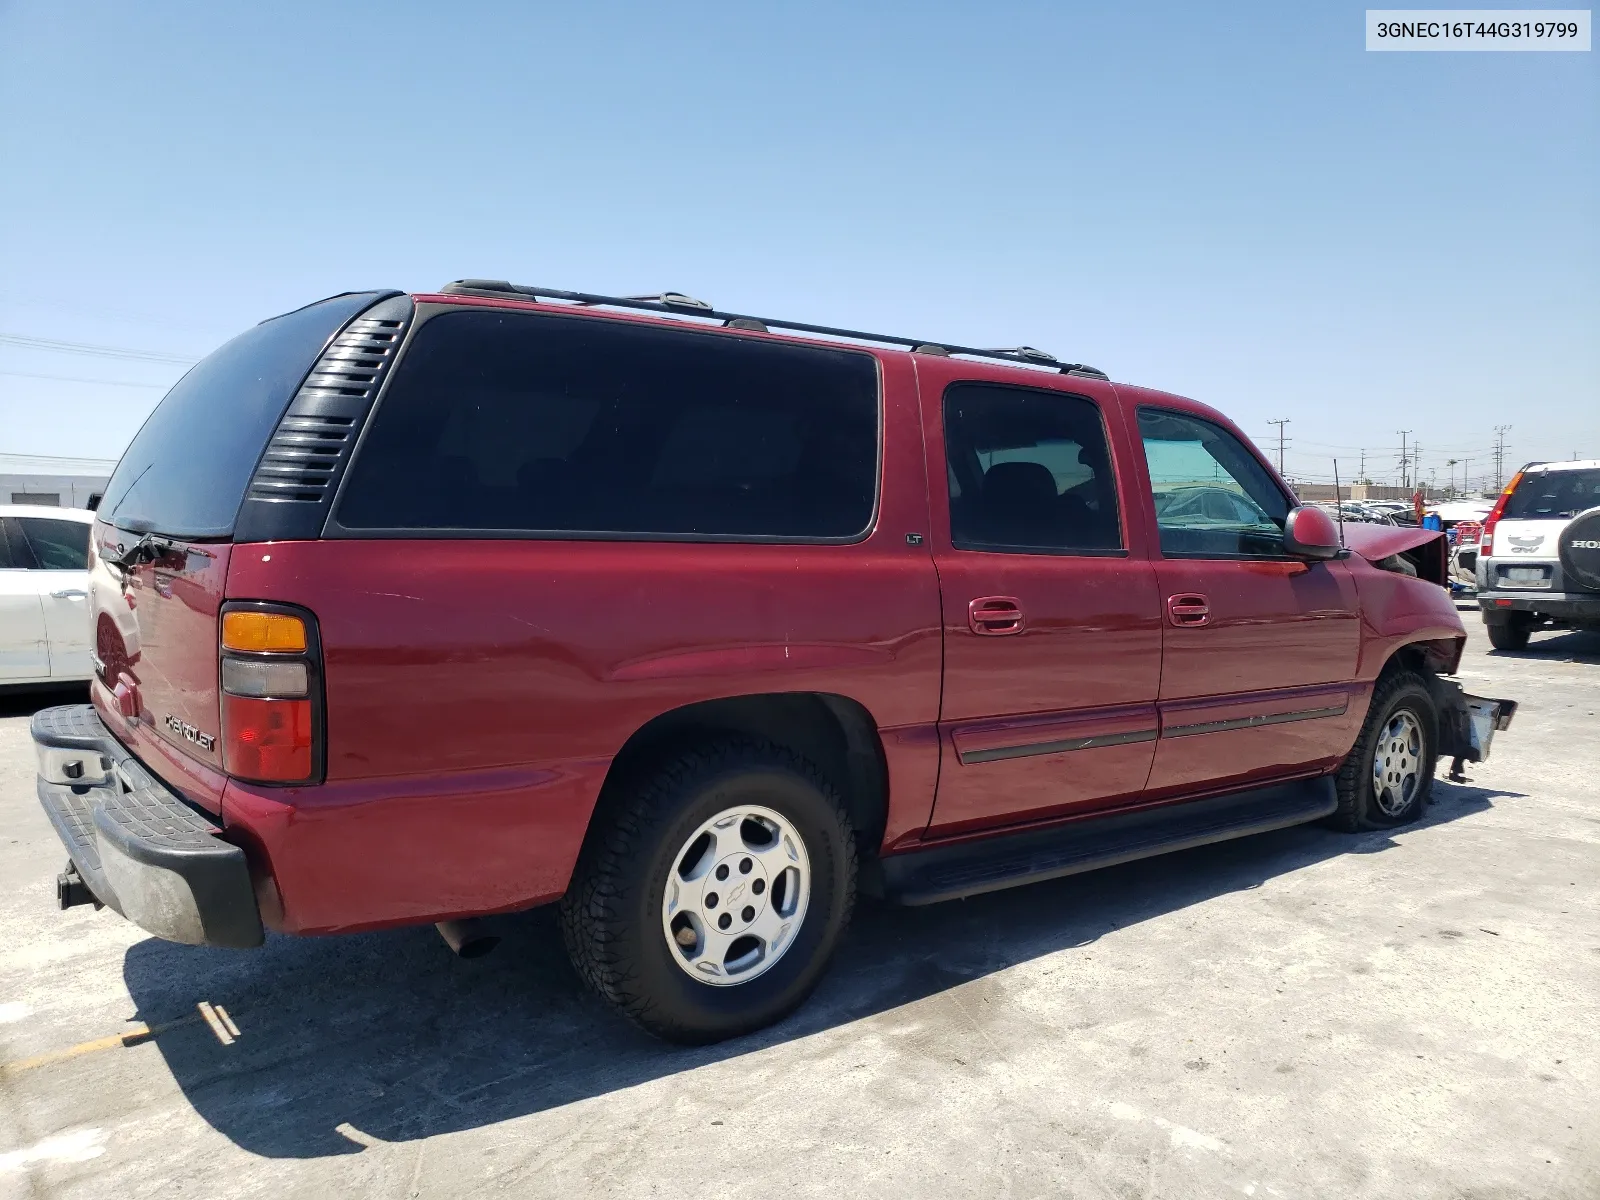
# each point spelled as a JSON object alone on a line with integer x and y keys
{"x": 59, "y": 482}
{"x": 1322, "y": 493}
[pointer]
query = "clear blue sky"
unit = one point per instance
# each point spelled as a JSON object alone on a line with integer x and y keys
{"x": 1238, "y": 203}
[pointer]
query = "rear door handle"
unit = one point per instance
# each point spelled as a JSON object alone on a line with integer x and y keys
{"x": 69, "y": 594}
{"x": 1188, "y": 608}
{"x": 995, "y": 616}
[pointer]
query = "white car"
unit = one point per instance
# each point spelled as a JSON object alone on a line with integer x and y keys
{"x": 44, "y": 590}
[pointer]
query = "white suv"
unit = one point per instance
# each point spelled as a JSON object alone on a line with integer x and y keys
{"x": 1539, "y": 566}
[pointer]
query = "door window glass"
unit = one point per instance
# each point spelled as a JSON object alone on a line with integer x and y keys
{"x": 1029, "y": 472}
{"x": 57, "y": 545}
{"x": 565, "y": 425}
{"x": 1213, "y": 499}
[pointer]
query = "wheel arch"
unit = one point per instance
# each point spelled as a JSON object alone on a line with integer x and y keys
{"x": 1435, "y": 656}
{"x": 836, "y": 733}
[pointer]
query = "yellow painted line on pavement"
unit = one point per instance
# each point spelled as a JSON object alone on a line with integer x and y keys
{"x": 133, "y": 1037}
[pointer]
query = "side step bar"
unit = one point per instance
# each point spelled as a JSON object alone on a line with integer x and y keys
{"x": 1006, "y": 860}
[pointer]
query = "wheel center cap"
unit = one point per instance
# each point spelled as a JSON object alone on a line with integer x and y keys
{"x": 735, "y": 894}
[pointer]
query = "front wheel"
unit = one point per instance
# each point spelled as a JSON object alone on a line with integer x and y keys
{"x": 1385, "y": 780}
{"x": 708, "y": 902}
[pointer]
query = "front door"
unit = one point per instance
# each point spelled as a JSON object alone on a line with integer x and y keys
{"x": 1051, "y": 617}
{"x": 1260, "y": 648}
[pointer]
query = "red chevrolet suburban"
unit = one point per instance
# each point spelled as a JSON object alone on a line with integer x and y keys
{"x": 417, "y": 608}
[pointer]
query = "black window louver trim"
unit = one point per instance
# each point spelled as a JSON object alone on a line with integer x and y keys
{"x": 294, "y": 482}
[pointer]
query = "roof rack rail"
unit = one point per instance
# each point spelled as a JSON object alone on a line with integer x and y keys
{"x": 677, "y": 304}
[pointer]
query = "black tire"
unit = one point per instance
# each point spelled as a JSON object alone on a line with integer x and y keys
{"x": 611, "y": 916}
{"x": 1513, "y": 635}
{"x": 1359, "y": 808}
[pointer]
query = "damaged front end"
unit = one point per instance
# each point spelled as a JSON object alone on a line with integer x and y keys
{"x": 1467, "y": 723}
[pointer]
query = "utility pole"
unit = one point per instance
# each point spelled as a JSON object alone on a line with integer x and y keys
{"x": 1280, "y": 424}
{"x": 1500, "y": 432}
{"x": 1361, "y": 475}
{"x": 1405, "y": 462}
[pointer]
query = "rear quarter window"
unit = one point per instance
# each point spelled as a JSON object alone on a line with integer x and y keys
{"x": 186, "y": 470}
{"x": 544, "y": 425}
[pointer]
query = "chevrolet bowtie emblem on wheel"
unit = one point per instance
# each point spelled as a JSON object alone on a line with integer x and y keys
{"x": 190, "y": 734}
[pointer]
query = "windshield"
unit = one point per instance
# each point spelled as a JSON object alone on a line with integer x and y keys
{"x": 1554, "y": 495}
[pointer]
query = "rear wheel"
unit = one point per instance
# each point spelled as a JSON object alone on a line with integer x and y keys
{"x": 1385, "y": 780}
{"x": 1514, "y": 634}
{"x": 709, "y": 902}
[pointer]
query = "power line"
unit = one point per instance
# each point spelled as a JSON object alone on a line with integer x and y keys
{"x": 80, "y": 379}
{"x": 35, "y": 343}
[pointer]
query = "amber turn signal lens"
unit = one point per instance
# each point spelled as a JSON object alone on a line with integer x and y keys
{"x": 262, "y": 632}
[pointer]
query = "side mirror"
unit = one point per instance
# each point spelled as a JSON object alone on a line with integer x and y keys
{"x": 1311, "y": 533}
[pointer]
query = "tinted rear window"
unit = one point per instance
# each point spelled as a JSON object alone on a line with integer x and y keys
{"x": 1553, "y": 495}
{"x": 565, "y": 425}
{"x": 186, "y": 470}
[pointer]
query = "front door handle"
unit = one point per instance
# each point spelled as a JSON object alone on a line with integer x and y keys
{"x": 1188, "y": 608}
{"x": 995, "y": 616}
{"x": 69, "y": 594}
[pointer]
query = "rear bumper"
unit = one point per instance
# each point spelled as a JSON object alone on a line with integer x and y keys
{"x": 137, "y": 846}
{"x": 1498, "y": 606}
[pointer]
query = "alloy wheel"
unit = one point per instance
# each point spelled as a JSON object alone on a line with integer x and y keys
{"x": 1397, "y": 763}
{"x": 736, "y": 895}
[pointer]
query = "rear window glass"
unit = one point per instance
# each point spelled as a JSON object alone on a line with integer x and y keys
{"x": 186, "y": 470}
{"x": 564, "y": 425}
{"x": 1553, "y": 495}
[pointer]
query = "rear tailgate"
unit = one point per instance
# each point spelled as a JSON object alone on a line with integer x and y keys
{"x": 155, "y": 647}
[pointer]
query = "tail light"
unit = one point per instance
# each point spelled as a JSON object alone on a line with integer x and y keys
{"x": 271, "y": 674}
{"x": 1486, "y": 541}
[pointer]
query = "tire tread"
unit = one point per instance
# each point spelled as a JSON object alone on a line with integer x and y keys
{"x": 593, "y": 913}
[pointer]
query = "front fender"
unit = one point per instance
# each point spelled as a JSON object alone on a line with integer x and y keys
{"x": 1400, "y": 610}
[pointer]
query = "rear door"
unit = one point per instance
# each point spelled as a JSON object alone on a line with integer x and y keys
{"x": 24, "y": 648}
{"x": 1051, "y": 619}
{"x": 1260, "y": 648}
{"x": 60, "y": 549}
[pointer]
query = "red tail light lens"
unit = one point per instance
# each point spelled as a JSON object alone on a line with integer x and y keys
{"x": 1486, "y": 541}
{"x": 271, "y": 676}
{"x": 269, "y": 740}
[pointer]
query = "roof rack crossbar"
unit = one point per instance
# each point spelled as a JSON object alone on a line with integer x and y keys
{"x": 678, "y": 305}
